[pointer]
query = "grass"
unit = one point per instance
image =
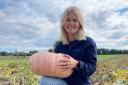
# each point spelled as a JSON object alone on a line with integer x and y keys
{"x": 106, "y": 64}
{"x": 108, "y": 57}
{"x": 4, "y": 61}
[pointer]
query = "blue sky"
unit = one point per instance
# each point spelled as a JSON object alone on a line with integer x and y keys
{"x": 34, "y": 24}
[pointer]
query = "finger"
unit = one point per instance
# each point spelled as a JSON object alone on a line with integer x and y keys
{"x": 66, "y": 56}
{"x": 64, "y": 60}
{"x": 64, "y": 67}
{"x": 64, "y": 63}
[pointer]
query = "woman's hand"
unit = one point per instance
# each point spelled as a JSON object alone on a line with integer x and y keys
{"x": 73, "y": 62}
{"x": 67, "y": 62}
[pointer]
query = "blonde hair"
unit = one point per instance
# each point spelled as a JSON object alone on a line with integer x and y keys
{"x": 81, "y": 33}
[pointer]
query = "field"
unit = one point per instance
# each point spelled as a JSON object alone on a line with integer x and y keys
{"x": 111, "y": 70}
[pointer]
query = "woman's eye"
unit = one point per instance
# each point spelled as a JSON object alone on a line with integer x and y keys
{"x": 74, "y": 20}
{"x": 68, "y": 20}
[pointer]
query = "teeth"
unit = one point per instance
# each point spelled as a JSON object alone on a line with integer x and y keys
{"x": 73, "y": 30}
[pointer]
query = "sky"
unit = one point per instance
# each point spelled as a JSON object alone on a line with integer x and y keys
{"x": 35, "y": 24}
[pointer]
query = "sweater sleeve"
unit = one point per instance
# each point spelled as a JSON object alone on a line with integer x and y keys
{"x": 56, "y": 47}
{"x": 87, "y": 66}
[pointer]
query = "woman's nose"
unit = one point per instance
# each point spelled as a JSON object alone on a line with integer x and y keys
{"x": 71, "y": 22}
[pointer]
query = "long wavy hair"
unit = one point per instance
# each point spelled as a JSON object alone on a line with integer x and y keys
{"x": 81, "y": 33}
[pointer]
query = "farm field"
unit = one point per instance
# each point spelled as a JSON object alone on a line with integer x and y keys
{"x": 111, "y": 70}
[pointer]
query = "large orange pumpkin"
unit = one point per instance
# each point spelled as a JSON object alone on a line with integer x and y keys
{"x": 46, "y": 64}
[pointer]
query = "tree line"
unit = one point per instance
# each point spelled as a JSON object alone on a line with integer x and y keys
{"x": 16, "y": 53}
{"x": 100, "y": 51}
{"x": 103, "y": 51}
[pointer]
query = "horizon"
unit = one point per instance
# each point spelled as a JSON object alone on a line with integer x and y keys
{"x": 44, "y": 50}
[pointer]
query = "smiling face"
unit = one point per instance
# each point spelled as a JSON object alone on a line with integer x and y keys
{"x": 71, "y": 25}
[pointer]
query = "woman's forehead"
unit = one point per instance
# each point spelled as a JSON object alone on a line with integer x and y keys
{"x": 71, "y": 15}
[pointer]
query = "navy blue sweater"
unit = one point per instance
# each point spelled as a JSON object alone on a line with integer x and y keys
{"x": 83, "y": 51}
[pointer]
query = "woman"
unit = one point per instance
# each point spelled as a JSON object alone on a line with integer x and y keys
{"x": 79, "y": 49}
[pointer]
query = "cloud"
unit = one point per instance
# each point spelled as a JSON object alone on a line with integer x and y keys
{"x": 108, "y": 27}
{"x": 29, "y": 24}
{"x": 24, "y": 30}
